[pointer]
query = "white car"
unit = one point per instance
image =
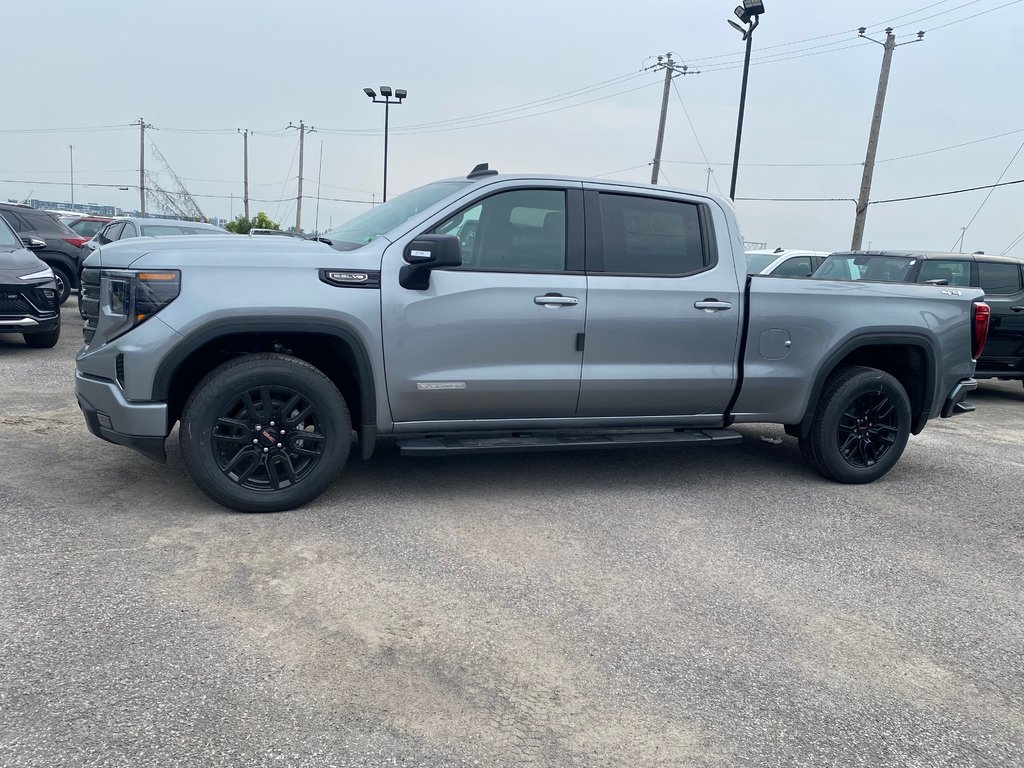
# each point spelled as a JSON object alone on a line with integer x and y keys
{"x": 784, "y": 262}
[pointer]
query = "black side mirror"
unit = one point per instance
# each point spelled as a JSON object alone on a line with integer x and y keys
{"x": 33, "y": 243}
{"x": 425, "y": 253}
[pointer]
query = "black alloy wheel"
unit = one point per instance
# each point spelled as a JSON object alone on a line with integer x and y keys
{"x": 265, "y": 433}
{"x": 268, "y": 438}
{"x": 868, "y": 429}
{"x": 859, "y": 427}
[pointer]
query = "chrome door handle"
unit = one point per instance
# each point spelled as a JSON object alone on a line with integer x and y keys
{"x": 556, "y": 300}
{"x": 712, "y": 305}
{"x": 1017, "y": 309}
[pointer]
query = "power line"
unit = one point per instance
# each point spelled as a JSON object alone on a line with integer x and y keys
{"x": 622, "y": 170}
{"x": 952, "y": 192}
{"x": 974, "y": 16}
{"x": 963, "y": 231}
{"x": 696, "y": 137}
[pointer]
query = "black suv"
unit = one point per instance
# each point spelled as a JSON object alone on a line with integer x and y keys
{"x": 28, "y": 294}
{"x": 1000, "y": 277}
{"x": 61, "y": 246}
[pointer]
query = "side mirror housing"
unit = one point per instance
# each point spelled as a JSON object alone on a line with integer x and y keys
{"x": 426, "y": 253}
{"x": 33, "y": 243}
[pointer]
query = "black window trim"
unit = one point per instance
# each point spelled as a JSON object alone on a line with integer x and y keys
{"x": 595, "y": 234}
{"x": 574, "y": 230}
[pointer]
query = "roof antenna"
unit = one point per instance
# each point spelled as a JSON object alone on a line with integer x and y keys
{"x": 481, "y": 170}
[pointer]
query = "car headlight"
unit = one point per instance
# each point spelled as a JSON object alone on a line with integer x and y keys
{"x": 134, "y": 297}
{"x": 42, "y": 274}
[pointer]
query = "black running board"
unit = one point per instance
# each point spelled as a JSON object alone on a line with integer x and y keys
{"x": 443, "y": 446}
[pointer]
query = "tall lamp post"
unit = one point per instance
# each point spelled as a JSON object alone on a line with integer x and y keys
{"x": 71, "y": 149}
{"x": 750, "y": 14}
{"x": 387, "y": 101}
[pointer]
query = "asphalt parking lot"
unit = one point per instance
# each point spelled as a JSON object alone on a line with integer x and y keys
{"x": 720, "y": 607}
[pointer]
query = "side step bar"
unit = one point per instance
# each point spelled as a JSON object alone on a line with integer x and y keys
{"x": 443, "y": 446}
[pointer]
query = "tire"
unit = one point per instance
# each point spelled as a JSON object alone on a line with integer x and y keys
{"x": 248, "y": 462}
{"x": 63, "y": 280}
{"x": 860, "y": 427}
{"x": 46, "y": 340}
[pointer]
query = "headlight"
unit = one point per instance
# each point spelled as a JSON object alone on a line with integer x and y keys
{"x": 134, "y": 297}
{"x": 40, "y": 275}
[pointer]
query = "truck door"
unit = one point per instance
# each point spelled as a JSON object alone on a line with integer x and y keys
{"x": 1003, "y": 291}
{"x": 663, "y": 307}
{"x": 494, "y": 339}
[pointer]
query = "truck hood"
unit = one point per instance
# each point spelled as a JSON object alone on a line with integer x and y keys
{"x": 230, "y": 250}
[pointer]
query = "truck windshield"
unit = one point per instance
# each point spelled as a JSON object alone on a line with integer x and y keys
{"x": 375, "y": 222}
{"x": 858, "y": 266}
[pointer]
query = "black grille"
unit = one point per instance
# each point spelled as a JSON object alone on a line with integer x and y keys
{"x": 14, "y": 304}
{"x": 89, "y": 301}
{"x": 119, "y": 363}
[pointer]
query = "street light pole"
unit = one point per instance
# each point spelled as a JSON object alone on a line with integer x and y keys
{"x": 71, "y": 149}
{"x": 386, "y": 92}
{"x": 750, "y": 14}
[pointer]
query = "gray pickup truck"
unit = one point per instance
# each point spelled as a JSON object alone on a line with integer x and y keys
{"x": 496, "y": 313}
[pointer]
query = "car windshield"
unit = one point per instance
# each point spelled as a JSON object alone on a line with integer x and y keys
{"x": 758, "y": 261}
{"x": 87, "y": 227}
{"x": 373, "y": 223}
{"x": 7, "y": 237}
{"x": 859, "y": 266}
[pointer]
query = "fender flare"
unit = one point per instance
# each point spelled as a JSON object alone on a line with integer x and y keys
{"x": 828, "y": 367}
{"x": 367, "y": 383}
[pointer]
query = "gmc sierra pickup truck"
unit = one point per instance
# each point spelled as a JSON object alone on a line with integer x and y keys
{"x": 497, "y": 313}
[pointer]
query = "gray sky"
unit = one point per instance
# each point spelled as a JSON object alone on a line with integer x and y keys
{"x": 218, "y": 65}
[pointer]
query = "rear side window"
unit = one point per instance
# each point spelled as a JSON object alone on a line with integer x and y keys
{"x": 113, "y": 232}
{"x": 648, "y": 236}
{"x": 796, "y": 267}
{"x": 999, "y": 279}
{"x": 44, "y": 223}
{"x": 953, "y": 272}
{"x": 129, "y": 231}
{"x": 162, "y": 230}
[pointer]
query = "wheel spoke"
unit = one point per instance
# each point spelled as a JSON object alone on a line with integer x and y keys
{"x": 238, "y": 457}
{"x": 289, "y": 406}
{"x": 289, "y": 468}
{"x": 266, "y": 404}
{"x": 275, "y": 479}
{"x": 250, "y": 408}
{"x": 300, "y": 416}
{"x": 256, "y": 461}
{"x": 844, "y": 448}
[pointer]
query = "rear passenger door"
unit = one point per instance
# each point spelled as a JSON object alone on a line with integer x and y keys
{"x": 1003, "y": 288}
{"x": 663, "y": 311}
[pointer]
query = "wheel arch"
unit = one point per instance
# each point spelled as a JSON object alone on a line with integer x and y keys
{"x": 65, "y": 262}
{"x": 910, "y": 358}
{"x": 333, "y": 348}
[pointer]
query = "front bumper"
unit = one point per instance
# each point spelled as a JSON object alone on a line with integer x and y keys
{"x": 142, "y": 426}
{"x": 956, "y": 402}
{"x": 29, "y": 324}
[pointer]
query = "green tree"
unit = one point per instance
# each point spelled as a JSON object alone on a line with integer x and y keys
{"x": 242, "y": 225}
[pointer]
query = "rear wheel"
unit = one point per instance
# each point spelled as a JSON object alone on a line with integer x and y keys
{"x": 860, "y": 428}
{"x": 265, "y": 433}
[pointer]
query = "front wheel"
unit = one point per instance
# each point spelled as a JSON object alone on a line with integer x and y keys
{"x": 46, "y": 340}
{"x": 265, "y": 433}
{"x": 861, "y": 426}
{"x": 63, "y": 281}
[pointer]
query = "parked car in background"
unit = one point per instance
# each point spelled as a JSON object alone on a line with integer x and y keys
{"x": 123, "y": 228}
{"x": 1000, "y": 277}
{"x": 61, "y": 249}
{"x": 28, "y": 293}
{"x": 86, "y": 226}
{"x": 781, "y": 261}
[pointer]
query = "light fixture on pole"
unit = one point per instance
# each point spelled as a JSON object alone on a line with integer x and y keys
{"x": 387, "y": 101}
{"x": 748, "y": 13}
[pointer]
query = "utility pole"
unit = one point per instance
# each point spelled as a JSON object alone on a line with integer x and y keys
{"x": 143, "y": 125}
{"x": 245, "y": 168}
{"x": 671, "y": 70}
{"x": 303, "y": 129}
{"x": 876, "y": 124}
{"x": 319, "y": 175}
{"x": 71, "y": 149}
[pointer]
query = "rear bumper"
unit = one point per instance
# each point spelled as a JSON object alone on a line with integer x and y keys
{"x": 956, "y": 402}
{"x": 142, "y": 426}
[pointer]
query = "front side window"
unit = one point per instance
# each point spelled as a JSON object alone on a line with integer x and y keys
{"x": 8, "y": 238}
{"x": 112, "y": 233}
{"x": 521, "y": 230}
{"x": 14, "y": 220}
{"x": 648, "y": 236}
{"x": 953, "y": 272}
{"x": 999, "y": 279}
{"x": 129, "y": 230}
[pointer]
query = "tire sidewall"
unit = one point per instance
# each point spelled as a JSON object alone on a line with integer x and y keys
{"x": 219, "y": 390}
{"x": 826, "y": 440}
